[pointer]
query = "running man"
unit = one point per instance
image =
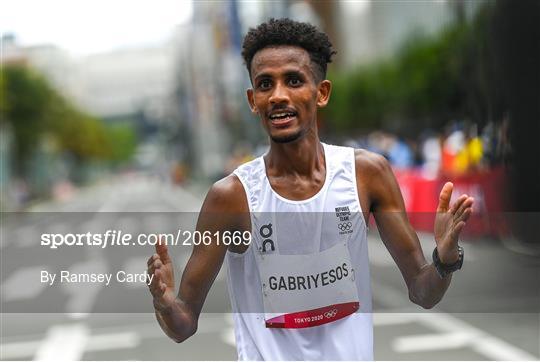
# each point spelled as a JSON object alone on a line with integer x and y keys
{"x": 301, "y": 289}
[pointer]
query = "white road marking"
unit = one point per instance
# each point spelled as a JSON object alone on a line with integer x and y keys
{"x": 24, "y": 283}
{"x": 113, "y": 341}
{"x": 432, "y": 342}
{"x": 83, "y": 296}
{"x": 18, "y": 350}
{"x": 494, "y": 348}
{"x": 69, "y": 342}
{"x": 78, "y": 315}
{"x": 387, "y": 319}
{"x": 483, "y": 343}
{"x": 450, "y": 330}
{"x": 227, "y": 335}
{"x": 63, "y": 343}
{"x": 115, "y": 337}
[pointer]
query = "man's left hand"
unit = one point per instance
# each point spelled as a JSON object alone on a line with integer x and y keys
{"x": 449, "y": 222}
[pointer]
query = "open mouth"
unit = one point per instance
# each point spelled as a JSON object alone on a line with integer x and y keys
{"x": 282, "y": 118}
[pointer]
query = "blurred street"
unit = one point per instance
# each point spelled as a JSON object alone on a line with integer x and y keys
{"x": 509, "y": 330}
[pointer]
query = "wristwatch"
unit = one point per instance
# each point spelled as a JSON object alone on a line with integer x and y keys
{"x": 445, "y": 269}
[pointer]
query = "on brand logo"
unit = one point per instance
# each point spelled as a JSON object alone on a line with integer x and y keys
{"x": 266, "y": 232}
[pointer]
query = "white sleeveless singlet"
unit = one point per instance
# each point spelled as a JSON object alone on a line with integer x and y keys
{"x": 314, "y": 226}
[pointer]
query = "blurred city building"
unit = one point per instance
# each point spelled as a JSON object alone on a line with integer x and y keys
{"x": 128, "y": 81}
{"x": 108, "y": 85}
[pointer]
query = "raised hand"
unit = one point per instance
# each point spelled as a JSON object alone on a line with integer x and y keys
{"x": 449, "y": 222}
{"x": 162, "y": 285}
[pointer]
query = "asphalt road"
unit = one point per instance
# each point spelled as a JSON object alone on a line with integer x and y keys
{"x": 491, "y": 311}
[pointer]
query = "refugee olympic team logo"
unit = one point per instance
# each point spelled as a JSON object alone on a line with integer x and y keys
{"x": 343, "y": 215}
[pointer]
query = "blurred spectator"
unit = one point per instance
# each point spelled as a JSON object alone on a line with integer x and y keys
{"x": 469, "y": 154}
{"x": 431, "y": 153}
{"x": 461, "y": 151}
{"x": 452, "y": 146}
{"x": 399, "y": 153}
{"x": 475, "y": 148}
{"x": 178, "y": 173}
{"x": 376, "y": 142}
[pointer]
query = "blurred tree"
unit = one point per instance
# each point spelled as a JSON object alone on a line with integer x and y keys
{"x": 3, "y": 100}
{"x": 123, "y": 140}
{"x": 83, "y": 136}
{"x": 27, "y": 98}
{"x": 34, "y": 109}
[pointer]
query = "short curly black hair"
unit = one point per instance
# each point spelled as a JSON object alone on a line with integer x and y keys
{"x": 289, "y": 32}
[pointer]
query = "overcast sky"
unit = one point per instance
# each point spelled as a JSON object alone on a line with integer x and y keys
{"x": 91, "y": 26}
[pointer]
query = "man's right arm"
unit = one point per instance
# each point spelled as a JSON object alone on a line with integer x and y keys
{"x": 224, "y": 209}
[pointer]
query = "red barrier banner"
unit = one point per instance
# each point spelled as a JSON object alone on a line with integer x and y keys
{"x": 489, "y": 189}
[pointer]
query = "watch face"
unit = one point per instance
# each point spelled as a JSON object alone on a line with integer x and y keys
{"x": 442, "y": 269}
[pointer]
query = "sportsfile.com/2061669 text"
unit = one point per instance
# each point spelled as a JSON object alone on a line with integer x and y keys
{"x": 120, "y": 238}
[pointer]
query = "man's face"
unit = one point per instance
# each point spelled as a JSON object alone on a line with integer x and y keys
{"x": 285, "y": 92}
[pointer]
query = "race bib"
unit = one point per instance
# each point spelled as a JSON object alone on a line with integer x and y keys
{"x": 302, "y": 291}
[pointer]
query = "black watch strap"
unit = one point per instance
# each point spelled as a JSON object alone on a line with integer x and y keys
{"x": 444, "y": 269}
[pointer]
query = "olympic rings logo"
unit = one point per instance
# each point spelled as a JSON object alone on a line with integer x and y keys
{"x": 331, "y": 314}
{"x": 345, "y": 226}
